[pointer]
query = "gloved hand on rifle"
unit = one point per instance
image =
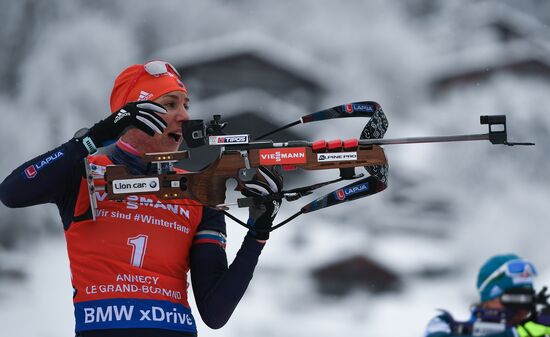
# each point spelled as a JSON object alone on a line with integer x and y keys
{"x": 266, "y": 202}
{"x": 143, "y": 115}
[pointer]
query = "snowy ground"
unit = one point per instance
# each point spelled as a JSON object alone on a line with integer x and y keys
{"x": 42, "y": 305}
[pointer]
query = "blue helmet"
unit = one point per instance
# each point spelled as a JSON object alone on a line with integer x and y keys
{"x": 503, "y": 272}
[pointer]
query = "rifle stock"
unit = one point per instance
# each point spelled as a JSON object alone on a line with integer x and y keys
{"x": 208, "y": 185}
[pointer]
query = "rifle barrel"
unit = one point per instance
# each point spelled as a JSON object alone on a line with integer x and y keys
{"x": 494, "y": 137}
{"x": 418, "y": 140}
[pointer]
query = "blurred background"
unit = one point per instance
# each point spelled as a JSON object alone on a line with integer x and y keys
{"x": 374, "y": 267}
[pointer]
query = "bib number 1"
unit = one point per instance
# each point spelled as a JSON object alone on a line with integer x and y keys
{"x": 139, "y": 246}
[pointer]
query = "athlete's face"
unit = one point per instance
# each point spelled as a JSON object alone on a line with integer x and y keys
{"x": 176, "y": 104}
{"x": 496, "y": 303}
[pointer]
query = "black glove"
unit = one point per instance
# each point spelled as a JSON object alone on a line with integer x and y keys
{"x": 142, "y": 115}
{"x": 266, "y": 202}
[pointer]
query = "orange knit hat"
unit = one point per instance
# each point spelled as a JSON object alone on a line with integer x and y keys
{"x": 141, "y": 82}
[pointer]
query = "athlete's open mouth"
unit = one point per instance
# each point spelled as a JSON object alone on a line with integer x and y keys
{"x": 175, "y": 136}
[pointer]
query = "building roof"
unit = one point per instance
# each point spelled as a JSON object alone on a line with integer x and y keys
{"x": 258, "y": 48}
{"x": 492, "y": 38}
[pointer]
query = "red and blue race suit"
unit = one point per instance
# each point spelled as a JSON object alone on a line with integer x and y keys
{"x": 129, "y": 267}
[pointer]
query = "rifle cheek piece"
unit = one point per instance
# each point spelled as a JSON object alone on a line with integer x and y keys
{"x": 194, "y": 132}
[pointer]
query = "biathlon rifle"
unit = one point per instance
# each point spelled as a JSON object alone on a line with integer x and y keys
{"x": 240, "y": 157}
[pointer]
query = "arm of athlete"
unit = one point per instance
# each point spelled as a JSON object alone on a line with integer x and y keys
{"x": 43, "y": 179}
{"x": 218, "y": 288}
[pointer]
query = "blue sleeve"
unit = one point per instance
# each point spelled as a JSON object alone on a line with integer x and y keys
{"x": 212, "y": 220}
{"x": 52, "y": 177}
{"x": 217, "y": 287}
{"x": 445, "y": 326}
